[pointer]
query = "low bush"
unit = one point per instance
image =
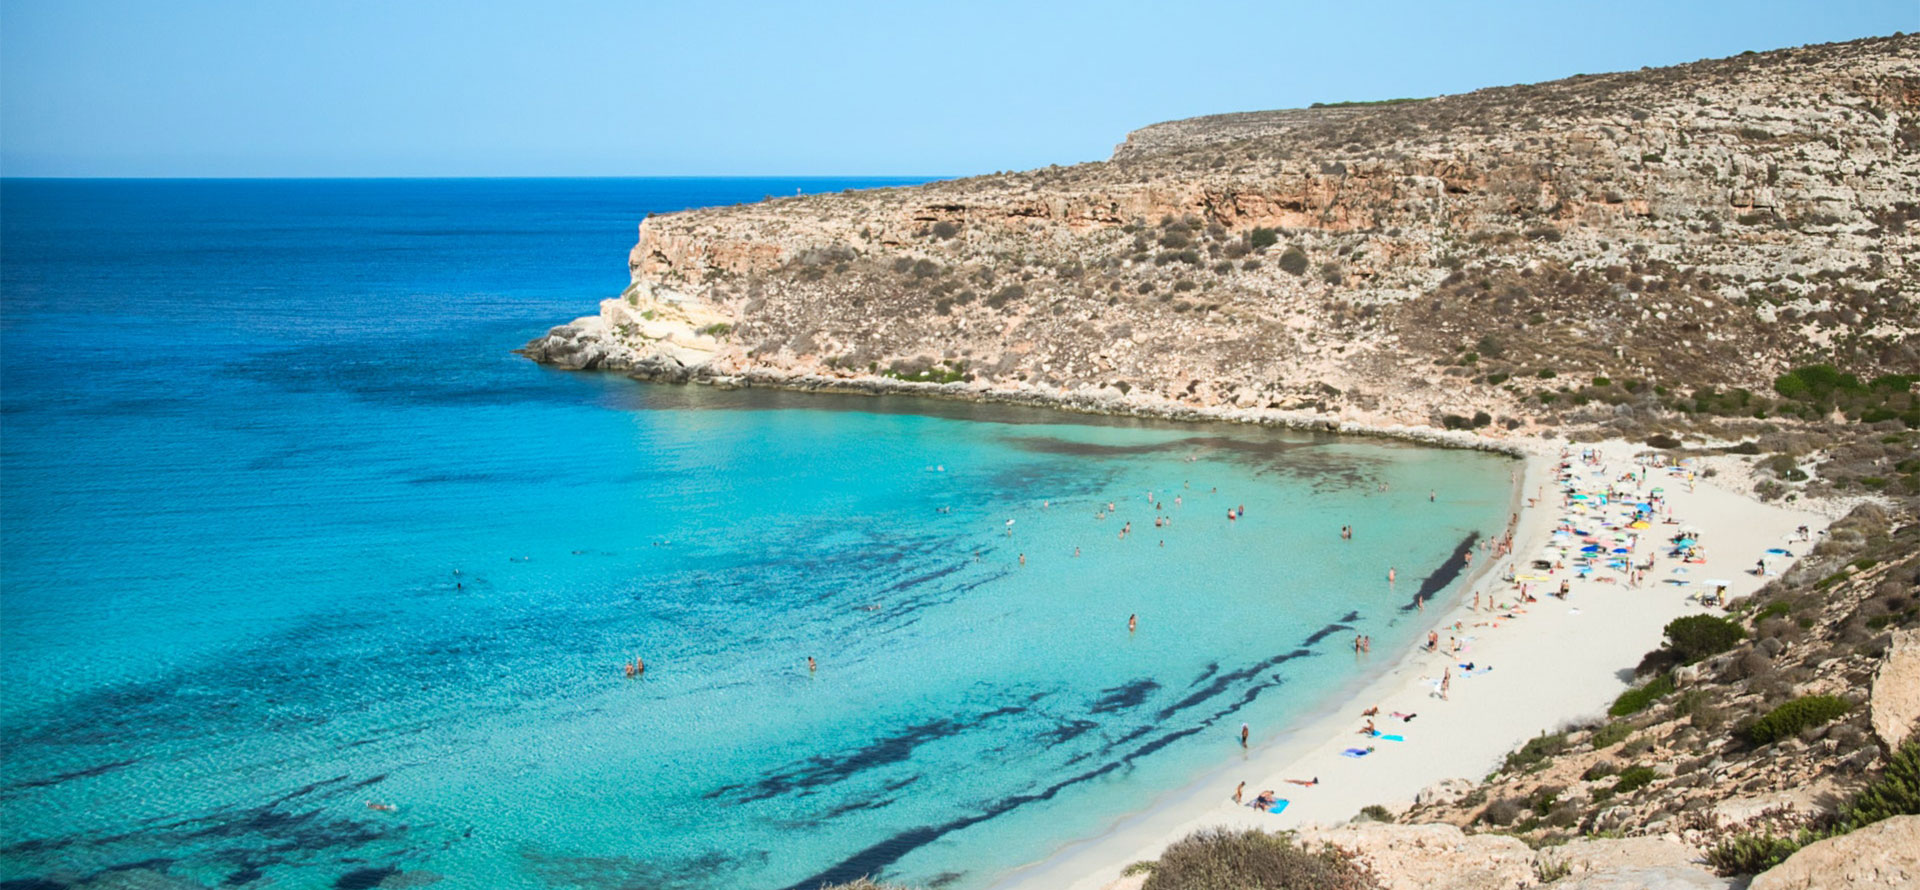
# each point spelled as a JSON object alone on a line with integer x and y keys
{"x": 1639, "y": 698}
{"x": 1634, "y": 778}
{"x": 1223, "y": 859}
{"x": 1503, "y": 812}
{"x": 1896, "y": 793}
{"x": 1536, "y": 751}
{"x": 1750, "y": 854}
{"x": 1775, "y": 609}
{"x": 1293, "y": 261}
{"x": 1695, "y": 637}
{"x": 1600, "y": 770}
{"x": 1374, "y": 812}
{"x": 1791, "y": 717}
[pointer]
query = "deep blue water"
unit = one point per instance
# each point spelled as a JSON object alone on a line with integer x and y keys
{"x": 286, "y": 529}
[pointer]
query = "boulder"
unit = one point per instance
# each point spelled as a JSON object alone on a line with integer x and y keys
{"x": 1660, "y": 877}
{"x": 1431, "y": 857}
{"x": 1604, "y": 854}
{"x": 1884, "y": 854}
{"x": 1895, "y": 704}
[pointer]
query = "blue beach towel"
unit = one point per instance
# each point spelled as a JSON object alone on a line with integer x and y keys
{"x": 1355, "y": 752}
{"x": 1278, "y": 806}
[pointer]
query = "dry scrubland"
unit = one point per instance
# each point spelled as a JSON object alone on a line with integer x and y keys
{"x": 1714, "y": 259}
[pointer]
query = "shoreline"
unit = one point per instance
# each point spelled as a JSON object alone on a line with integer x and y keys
{"x": 1549, "y": 685}
{"x": 1543, "y": 684}
{"x": 1082, "y": 401}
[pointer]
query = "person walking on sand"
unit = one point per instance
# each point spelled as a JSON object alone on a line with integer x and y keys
{"x": 1446, "y": 683}
{"x": 1239, "y": 792}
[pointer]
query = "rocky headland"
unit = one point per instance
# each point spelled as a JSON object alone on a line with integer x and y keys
{"x": 1497, "y": 253}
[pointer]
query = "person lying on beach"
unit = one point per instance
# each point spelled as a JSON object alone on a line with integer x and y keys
{"x": 1265, "y": 800}
{"x": 1370, "y": 711}
{"x": 1304, "y": 783}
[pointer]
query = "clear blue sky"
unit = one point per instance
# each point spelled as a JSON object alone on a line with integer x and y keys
{"x": 584, "y": 87}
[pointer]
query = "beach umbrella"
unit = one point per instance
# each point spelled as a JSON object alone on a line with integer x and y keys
{"x": 1621, "y": 550}
{"x": 1717, "y": 582}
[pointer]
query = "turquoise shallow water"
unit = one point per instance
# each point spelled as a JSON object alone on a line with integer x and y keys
{"x": 285, "y": 530}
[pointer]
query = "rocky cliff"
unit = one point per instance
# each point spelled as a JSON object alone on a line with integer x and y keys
{"x": 1708, "y": 224}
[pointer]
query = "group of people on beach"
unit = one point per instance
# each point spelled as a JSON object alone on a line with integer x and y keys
{"x": 1623, "y": 510}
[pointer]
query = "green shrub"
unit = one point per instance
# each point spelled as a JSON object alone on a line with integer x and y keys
{"x": 945, "y": 229}
{"x": 1791, "y": 717}
{"x": 1600, "y": 770}
{"x": 1502, "y": 812}
{"x": 1293, "y": 261}
{"x": 1536, "y": 751}
{"x": 1224, "y": 859}
{"x": 1006, "y": 295}
{"x": 717, "y": 329}
{"x": 1750, "y": 854}
{"x": 1546, "y": 374}
{"x": 1634, "y": 778}
{"x": 1897, "y": 793}
{"x": 1638, "y": 699}
{"x": 1263, "y": 238}
{"x": 1775, "y": 609}
{"x": 1694, "y": 637}
{"x": 1374, "y": 812}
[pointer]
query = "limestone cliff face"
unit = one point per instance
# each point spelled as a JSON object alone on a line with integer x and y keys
{"x": 1705, "y": 224}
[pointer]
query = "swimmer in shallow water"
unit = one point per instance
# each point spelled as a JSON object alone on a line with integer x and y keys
{"x": 382, "y": 807}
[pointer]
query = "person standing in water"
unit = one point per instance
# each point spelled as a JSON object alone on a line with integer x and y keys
{"x": 1244, "y": 730}
{"x": 1133, "y": 622}
{"x": 811, "y": 667}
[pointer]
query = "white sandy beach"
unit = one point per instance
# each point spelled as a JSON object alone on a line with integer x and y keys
{"x": 1556, "y": 662}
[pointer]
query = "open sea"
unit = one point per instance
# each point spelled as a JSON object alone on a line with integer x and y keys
{"x": 285, "y": 529}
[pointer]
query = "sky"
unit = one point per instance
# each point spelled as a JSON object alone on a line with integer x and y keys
{"x": 712, "y": 87}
